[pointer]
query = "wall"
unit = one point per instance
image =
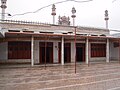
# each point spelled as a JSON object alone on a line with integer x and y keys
{"x": 114, "y": 52}
{"x": 3, "y": 51}
{"x": 98, "y": 59}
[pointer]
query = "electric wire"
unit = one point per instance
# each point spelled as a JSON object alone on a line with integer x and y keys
{"x": 113, "y": 1}
{"x": 49, "y": 6}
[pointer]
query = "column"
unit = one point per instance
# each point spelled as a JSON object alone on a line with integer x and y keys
{"x": 3, "y": 14}
{"x": 32, "y": 47}
{"x": 73, "y": 50}
{"x": 54, "y": 19}
{"x": 107, "y": 51}
{"x": 62, "y": 51}
{"x": 87, "y": 51}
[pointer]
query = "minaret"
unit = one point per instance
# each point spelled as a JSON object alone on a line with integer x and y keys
{"x": 73, "y": 15}
{"x": 106, "y": 18}
{"x": 3, "y": 6}
{"x": 53, "y": 13}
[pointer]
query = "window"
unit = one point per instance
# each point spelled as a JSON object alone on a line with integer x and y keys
{"x": 19, "y": 50}
{"x": 98, "y": 50}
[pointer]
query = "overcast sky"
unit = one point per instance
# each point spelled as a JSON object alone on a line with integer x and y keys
{"x": 87, "y": 13}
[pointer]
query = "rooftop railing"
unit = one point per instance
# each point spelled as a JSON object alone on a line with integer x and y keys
{"x": 23, "y": 22}
{"x": 48, "y": 24}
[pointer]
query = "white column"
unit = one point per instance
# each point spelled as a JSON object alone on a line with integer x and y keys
{"x": 73, "y": 21}
{"x": 73, "y": 49}
{"x": 3, "y": 14}
{"x": 106, "y": 24}
{"x": 36, "y": 52}
{"x": 62, "y": 51}
{"x": 87, "y": 51}
{"x": 32, "y": 47}
{"x": 53, "y": 19}
{"x": 107, "y": 51}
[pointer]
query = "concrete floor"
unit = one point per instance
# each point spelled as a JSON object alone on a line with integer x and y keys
{"x": 104, "y": 76}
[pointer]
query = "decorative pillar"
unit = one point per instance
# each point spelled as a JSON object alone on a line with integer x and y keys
{"x": 73, "y": 15}
{"x": 53, "y": 13}
{"x": 106, "y": 18}
{"x": 3, "y": 6}
{"x": 87, "y": 51}
{"x": 107, "y": 51}
{"x": 62, "y": 51}
{"x": 32, "y": 47}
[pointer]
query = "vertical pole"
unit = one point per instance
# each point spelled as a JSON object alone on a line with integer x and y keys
{"x": 107, "y": 51}
{"x": 45, "y": 53}
{"x": 75, "y": 50}
{"x": 87, "y": 51}
{"x": 32, "y": 47}
{"x": 62, "y": 51}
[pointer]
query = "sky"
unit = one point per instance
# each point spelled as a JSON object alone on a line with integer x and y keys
{"x": 89, "y": 14}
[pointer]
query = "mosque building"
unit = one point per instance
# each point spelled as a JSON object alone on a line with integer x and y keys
{"x": 39, "y": 43}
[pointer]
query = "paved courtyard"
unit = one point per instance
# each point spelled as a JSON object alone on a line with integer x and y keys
{"x": 102, "y": 76}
